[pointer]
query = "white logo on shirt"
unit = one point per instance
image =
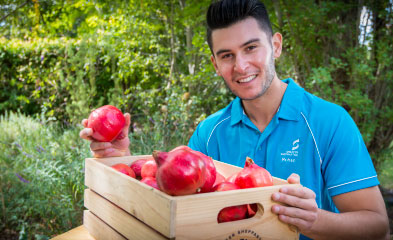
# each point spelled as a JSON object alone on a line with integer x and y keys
{"x": 295, "y": 144}
{"x": 291, "y": 155}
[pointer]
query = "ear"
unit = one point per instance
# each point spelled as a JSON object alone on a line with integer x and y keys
{"x": 277, "y": 45}
{"x": 213, "y": 59}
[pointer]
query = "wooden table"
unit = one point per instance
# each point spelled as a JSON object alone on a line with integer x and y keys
{"x": 78, "y": 233}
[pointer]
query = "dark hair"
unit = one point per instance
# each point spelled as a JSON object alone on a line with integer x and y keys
{"x": 224, "y": 13}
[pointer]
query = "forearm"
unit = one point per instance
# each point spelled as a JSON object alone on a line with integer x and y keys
{"x": 350, "y": 225}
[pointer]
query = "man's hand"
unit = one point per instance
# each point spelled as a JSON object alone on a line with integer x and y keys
{"x": 301, "y": 209}
{"x": 116, "y": 148}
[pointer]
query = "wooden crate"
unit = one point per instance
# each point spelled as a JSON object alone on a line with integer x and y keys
{"x": 137, "y": 211}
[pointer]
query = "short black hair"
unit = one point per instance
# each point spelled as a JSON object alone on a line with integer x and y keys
{"x": 223, "y": 13}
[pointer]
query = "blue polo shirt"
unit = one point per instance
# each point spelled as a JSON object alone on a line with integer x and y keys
{"x": 309, "y": 136}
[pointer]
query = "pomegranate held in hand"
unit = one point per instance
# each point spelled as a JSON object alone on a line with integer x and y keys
{"x": 179, "y": 172}
{"x": 253, "y": 175}
{"x": 106, "y": 122}
{"x": 125, "y": 169}
{"x": 232, "y": 213}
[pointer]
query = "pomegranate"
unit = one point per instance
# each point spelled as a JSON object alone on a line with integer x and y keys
{"x": 125, "y": 169}
{"x": 151, "y": 181}
{"x": 179, "y": 172}
{"x": 136, "y": 166}
{"x": 231, "y": 178}
{"x": 211, "y": 172}
{"x": 253, "y": 175}
{"x": 210, "y": 167}
{"x": 149, "y": 169}
{"x": 219, "y": 179}
{"x": 232, "y": 213}
{"x": 106, "y": 122}
{"x": 251, "y": 210}
{"x": 184, "y": 147}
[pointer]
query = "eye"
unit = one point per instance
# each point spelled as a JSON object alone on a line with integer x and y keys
{"x": 250, "y": 48}
{"x": 224, "y": 56}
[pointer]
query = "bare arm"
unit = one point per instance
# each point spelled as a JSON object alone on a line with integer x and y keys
{"x": 362, "y": 214}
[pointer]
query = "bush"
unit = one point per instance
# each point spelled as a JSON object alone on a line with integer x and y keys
{"x": 41, "y": 177}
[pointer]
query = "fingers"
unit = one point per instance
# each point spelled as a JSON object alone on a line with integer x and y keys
{"x": 124, "y": 131}
{"x": 86, "y": 133}
{"x": 290, "y": 212}
{"x": 84, "y": 123}
{"x": 294, "y": 178}
{"x": 303, "y": 198}
{"x": 109, "y": 152}
{"x": 96, "y": 146}
{"x": 301, "y": 192}
{"x": 300, "y": 223}
{"x": 300, "y": 208}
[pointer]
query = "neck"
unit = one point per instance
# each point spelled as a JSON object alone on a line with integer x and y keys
{"x": 262, "y": 109}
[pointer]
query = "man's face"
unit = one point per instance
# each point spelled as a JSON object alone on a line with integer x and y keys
{"x": 243, "y": 56}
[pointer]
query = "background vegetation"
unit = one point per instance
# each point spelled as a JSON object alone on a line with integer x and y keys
{"x": 60, "y": 59}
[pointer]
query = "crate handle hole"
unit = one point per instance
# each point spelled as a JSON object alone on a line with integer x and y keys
{"x": 239, "y": 212}
{"x": 254, "y": 209}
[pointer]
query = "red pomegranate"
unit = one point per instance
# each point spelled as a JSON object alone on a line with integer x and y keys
{"x": 231, "y": 178}
{"x": 179, "y": 172}
{"x": 184, "y": 147}
{"x": 125, "y": 169}
{"x": 253, "y": 175}
{"x": 106, "y": 122}
{"x": 251, "y": 210}
{"x": 210, "y": 167}
{"x": 136, "y": 166}
{"x": 211, "y": 172}
{"x": 151, "y": 181}
{"x": 219, "y": 179}
{"x": 232, "y": 213}
{"x": 149, "y": 169}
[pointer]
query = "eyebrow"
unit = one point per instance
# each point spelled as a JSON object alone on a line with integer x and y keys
{"x": 244, "y": 44}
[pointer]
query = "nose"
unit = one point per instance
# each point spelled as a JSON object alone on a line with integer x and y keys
{"x": 241, "y": 64}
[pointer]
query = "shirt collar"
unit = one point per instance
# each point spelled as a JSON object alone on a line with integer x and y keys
{"x": 237, "y": 111}
{"x": 289, "y": 107}
{"x": 291, "y": 102}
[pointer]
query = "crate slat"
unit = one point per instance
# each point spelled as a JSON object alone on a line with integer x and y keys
{"x": 98, "y": 229}
{"x": 117, "y": 218}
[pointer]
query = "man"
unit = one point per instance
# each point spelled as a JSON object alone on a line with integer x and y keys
{"x": 285, "y": 130}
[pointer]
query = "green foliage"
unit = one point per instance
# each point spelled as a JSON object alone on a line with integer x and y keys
{"x": 60, "y": 59}
{"x": 41, "y": 176}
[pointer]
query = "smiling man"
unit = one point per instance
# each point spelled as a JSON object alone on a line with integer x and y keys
{"x": 290, "y": 132}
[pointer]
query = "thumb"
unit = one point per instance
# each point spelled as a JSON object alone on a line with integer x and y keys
{"x": 124, "y": 131}
{"x": 294, "y": 178}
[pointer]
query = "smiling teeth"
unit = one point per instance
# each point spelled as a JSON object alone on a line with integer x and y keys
{"x": 247, "y": 79}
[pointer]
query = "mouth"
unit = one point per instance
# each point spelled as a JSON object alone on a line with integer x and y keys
{"x": 247, "y": 79}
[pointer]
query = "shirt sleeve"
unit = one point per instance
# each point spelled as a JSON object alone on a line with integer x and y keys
{"x": 347, "y": 165}
{"x": 197, "y": 142}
